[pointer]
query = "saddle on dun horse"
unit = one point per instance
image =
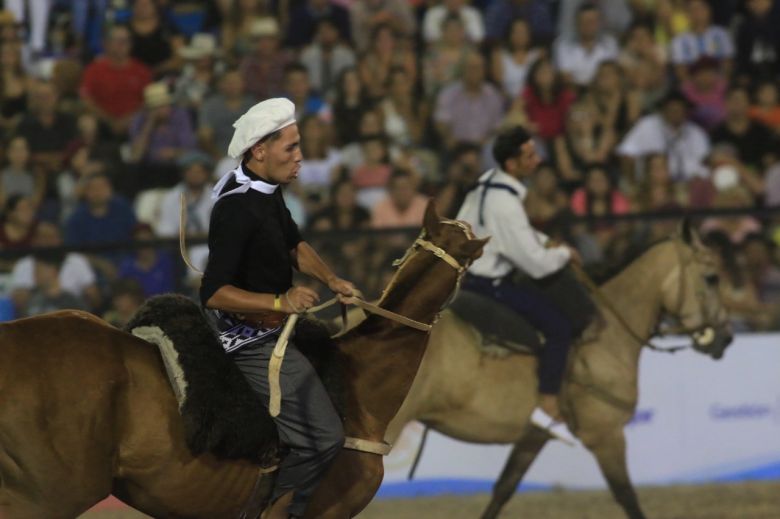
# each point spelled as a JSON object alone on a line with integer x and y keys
{"x": 499, "y": 326}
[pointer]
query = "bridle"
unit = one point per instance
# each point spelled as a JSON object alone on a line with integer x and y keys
{"x": 421, "y": 243}
{"x": 702, "y": 334}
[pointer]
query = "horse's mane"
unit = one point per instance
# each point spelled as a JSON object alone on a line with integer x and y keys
{"x": 633, "y": 253}
{"x": 221, "y": 413}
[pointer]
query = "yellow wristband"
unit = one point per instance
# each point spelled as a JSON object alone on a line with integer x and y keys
{"x": 277, "y": 302}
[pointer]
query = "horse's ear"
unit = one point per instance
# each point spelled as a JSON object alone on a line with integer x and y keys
{"x": 689, "y": 234}
{"x": 431, "y": 221}
{"x": 473, "y": 248}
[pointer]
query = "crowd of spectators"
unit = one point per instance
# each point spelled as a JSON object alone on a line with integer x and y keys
{"x": 110, "y": 110}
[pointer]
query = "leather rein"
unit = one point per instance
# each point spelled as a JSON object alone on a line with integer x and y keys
{"x": 274, "y": 368}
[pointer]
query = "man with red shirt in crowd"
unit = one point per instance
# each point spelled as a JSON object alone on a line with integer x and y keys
{"x": 113, "y": 83}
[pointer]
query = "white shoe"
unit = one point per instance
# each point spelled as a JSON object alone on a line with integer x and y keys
{"x": 557, "y": 429}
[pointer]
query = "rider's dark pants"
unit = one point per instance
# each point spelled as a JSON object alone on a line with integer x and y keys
{"x": 528, "y": 300}
{"x": 308, "y": 423}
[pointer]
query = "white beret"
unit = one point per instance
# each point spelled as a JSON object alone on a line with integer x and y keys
{"x": 261, "y": 120}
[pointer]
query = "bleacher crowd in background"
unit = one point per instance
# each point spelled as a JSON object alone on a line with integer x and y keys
{"x": 110, "y": 109}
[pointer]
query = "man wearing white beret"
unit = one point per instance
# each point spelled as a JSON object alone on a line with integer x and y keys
{"x": 247, "y": 289}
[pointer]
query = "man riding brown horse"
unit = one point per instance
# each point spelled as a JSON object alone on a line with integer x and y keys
{"x": 247, "y": 288}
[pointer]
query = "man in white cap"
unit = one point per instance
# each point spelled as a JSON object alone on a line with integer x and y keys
{"x": 247, "y": 289}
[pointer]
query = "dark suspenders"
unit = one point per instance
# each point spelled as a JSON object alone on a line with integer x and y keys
{"x": 487, "y": 184}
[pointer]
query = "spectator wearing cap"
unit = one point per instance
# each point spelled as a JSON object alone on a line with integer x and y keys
{"x": 75, "y": 276}
{"x": 703, "y": 39}
{"x": 306, "y": 18}
{"x": 155, "y": 41}
{"x": 220, "y": 110}
{"x": 326, "y": 57}
{"x": 469, "y": 16}
{"x": 159, "y": 134}
{"x": 469, "y": 110}
{"x": 263, "y": 68}
{"x": 668, "y": 131}
{"x": 47, "y": 130}
{"x": 113, "y": 84}
{"x": 367, "y": 15}
{"x": 578, "y": 58}
{"x": 201, "y": 69}
{"x": 758, "y": 42}
{"x": 501, "y": 13}
{"x": 402, "y": 207}
{"x": 195, "y": 168}
{"x": 753, "y": 141}
{"x": 151, "y": 268}
{"x": 706, "y": 89}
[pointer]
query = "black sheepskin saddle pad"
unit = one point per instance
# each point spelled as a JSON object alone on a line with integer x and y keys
{"x": 222, "y": 415}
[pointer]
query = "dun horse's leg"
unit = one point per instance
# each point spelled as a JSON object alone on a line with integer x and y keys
{"x": 610, "y": 453}
{"x": 523, "y": 454}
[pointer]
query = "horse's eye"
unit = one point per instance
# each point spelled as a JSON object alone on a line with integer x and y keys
{"x": 712, "y": 280}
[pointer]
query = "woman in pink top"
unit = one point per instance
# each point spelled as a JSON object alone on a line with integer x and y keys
{"x": 597, "y": 197}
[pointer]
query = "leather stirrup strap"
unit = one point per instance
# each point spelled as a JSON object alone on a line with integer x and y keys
{"x": 372, "y": 447}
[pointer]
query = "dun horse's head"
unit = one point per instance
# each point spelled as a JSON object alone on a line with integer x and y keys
{"x": 692, "y": 295}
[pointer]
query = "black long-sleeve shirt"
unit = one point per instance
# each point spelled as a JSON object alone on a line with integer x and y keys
{"x": 250, "y": 238}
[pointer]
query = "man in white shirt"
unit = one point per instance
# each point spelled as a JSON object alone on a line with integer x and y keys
{"x": 579, "y": 58}
{"x": 495, "y": 208}
{"x": 668, "y": 132}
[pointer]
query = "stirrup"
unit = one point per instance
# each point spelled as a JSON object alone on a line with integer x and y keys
{"x": 556, "y": 429}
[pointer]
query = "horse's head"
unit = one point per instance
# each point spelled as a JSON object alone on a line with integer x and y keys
{"x": 453, "y": 236}
{"x": 691, "y": 294}
{"x": 442, "y": 243}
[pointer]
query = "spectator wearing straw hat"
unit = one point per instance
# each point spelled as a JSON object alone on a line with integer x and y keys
{"x": 159, "y": 134}
{"x": 263, "y": 68}
{"x": 113, "y": 84}
{"x": 202, "y": 68}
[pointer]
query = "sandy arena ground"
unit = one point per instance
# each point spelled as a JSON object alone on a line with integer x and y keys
{"x": 737, "y": 501}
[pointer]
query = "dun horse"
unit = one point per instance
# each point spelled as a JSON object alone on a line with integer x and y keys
{"x": 87, "y": 410}
{"x": 467, "y": 395}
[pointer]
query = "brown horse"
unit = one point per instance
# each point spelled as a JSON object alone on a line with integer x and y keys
{"x": 87, "y": 410}
{"x": 468, "y": 395}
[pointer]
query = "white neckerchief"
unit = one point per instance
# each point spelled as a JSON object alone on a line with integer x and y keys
{"x": 244, "y": 184}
